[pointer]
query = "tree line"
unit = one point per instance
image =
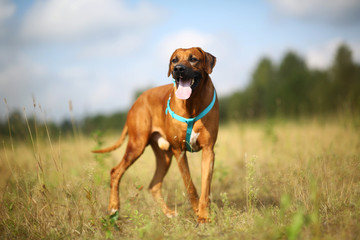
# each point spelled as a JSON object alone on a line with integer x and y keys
{"x": 292, "y": 89}
{"x": 289, "y": 89}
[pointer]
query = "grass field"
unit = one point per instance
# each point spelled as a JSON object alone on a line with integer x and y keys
{"x": 272, "y": 180}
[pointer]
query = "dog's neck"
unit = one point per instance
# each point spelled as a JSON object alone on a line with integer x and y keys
{"x": 200, "y": 98}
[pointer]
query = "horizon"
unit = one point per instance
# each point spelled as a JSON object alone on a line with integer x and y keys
{"x": 97, "y": 54}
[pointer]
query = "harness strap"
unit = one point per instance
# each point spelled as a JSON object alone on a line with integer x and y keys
{"x": 190, "y": 121}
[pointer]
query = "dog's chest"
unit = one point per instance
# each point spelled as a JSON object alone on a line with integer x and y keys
{"x": 177, "y": 138}
{"x": 194, "y": 141}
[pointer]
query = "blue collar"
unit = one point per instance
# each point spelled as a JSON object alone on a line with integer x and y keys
{"x": 190, "y": 121}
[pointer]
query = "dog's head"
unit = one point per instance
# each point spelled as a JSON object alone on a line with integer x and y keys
{"x": 189, "y": 67}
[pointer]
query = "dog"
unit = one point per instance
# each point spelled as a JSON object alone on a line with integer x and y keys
{"x": 174, "y": 119}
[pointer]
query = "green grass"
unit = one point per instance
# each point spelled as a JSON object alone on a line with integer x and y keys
{"x": 272, "y": 180}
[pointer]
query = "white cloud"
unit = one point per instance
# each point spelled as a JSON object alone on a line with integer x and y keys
{"x": 322, "y": 56}
{"x": 7, "y": 9}
{"x": 19, "y": 81}
{"x": 232, "y": 68}
{"x": 92, "y": 29}
{"x": 355, "y": 47}
{"x": 118, "y": 46}
{"x": 338, "y": 11}
{"x": 69, "y": 20}
{"x": 184, "y": 39}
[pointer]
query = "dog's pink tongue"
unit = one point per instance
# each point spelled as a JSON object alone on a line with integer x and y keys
{"x": 184, "y": 90}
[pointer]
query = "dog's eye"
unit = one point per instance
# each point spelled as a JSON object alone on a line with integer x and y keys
{"x": 175, "y": 60}
{"x": 192, "y": 59}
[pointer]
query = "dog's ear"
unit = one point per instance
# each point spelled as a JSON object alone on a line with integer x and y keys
{"x": 171, "y": 58}
{"x": 169, "y": 72}
{"x": 209, "y": 61}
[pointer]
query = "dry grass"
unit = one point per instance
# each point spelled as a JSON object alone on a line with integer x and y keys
{"x": 272, "y": 180}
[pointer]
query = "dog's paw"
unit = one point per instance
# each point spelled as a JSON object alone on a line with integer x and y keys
{"x": 171, "y": 214}
{"x": 114, "y": 216}
{"x": 113, "y": 211}
{"x": 202, "y": 220}
{"x": 113, "y": 208}
{"x": 163, "y": 144}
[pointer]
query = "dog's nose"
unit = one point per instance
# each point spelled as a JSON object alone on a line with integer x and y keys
{"x": 179, "y": 68}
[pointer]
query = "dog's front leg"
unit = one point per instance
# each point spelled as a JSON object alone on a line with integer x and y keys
{"x": 185, "y": 173}
{"x": 207, "y": 165}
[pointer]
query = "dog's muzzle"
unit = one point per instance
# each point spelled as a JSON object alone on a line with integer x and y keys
{"x": 186, "y": 80}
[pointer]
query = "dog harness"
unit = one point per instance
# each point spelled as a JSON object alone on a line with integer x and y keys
{"x": 189, "y": 121}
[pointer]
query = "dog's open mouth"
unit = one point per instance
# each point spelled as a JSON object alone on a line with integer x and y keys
{"x": 185, "y": 86}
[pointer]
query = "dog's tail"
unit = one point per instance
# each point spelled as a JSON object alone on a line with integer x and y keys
{"x": 116, "y": 145}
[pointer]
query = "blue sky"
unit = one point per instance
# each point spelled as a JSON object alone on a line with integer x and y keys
{"x": 97, "y": 53}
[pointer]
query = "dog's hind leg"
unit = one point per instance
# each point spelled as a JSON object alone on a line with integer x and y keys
{"x": 134, "y": 149}
{"x": 163, "y": 161}
{"x": 139, "y": 131}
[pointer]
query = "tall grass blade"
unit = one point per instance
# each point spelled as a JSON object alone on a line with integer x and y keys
{"x": 35, "y": 152}
{"x": 9, "y": 126}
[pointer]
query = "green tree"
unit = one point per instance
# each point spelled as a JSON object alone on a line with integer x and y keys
{"x": 262, "y": 100}
{"x": 292, "y": 85}
{"x": 319, "y": 92}
{"x": 345, "y": 78}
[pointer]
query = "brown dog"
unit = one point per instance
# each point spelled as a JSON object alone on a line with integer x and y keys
{"x": 158, "y": 118}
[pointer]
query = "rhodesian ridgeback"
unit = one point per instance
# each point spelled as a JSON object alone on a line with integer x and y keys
{"x": 174, "y": 119}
